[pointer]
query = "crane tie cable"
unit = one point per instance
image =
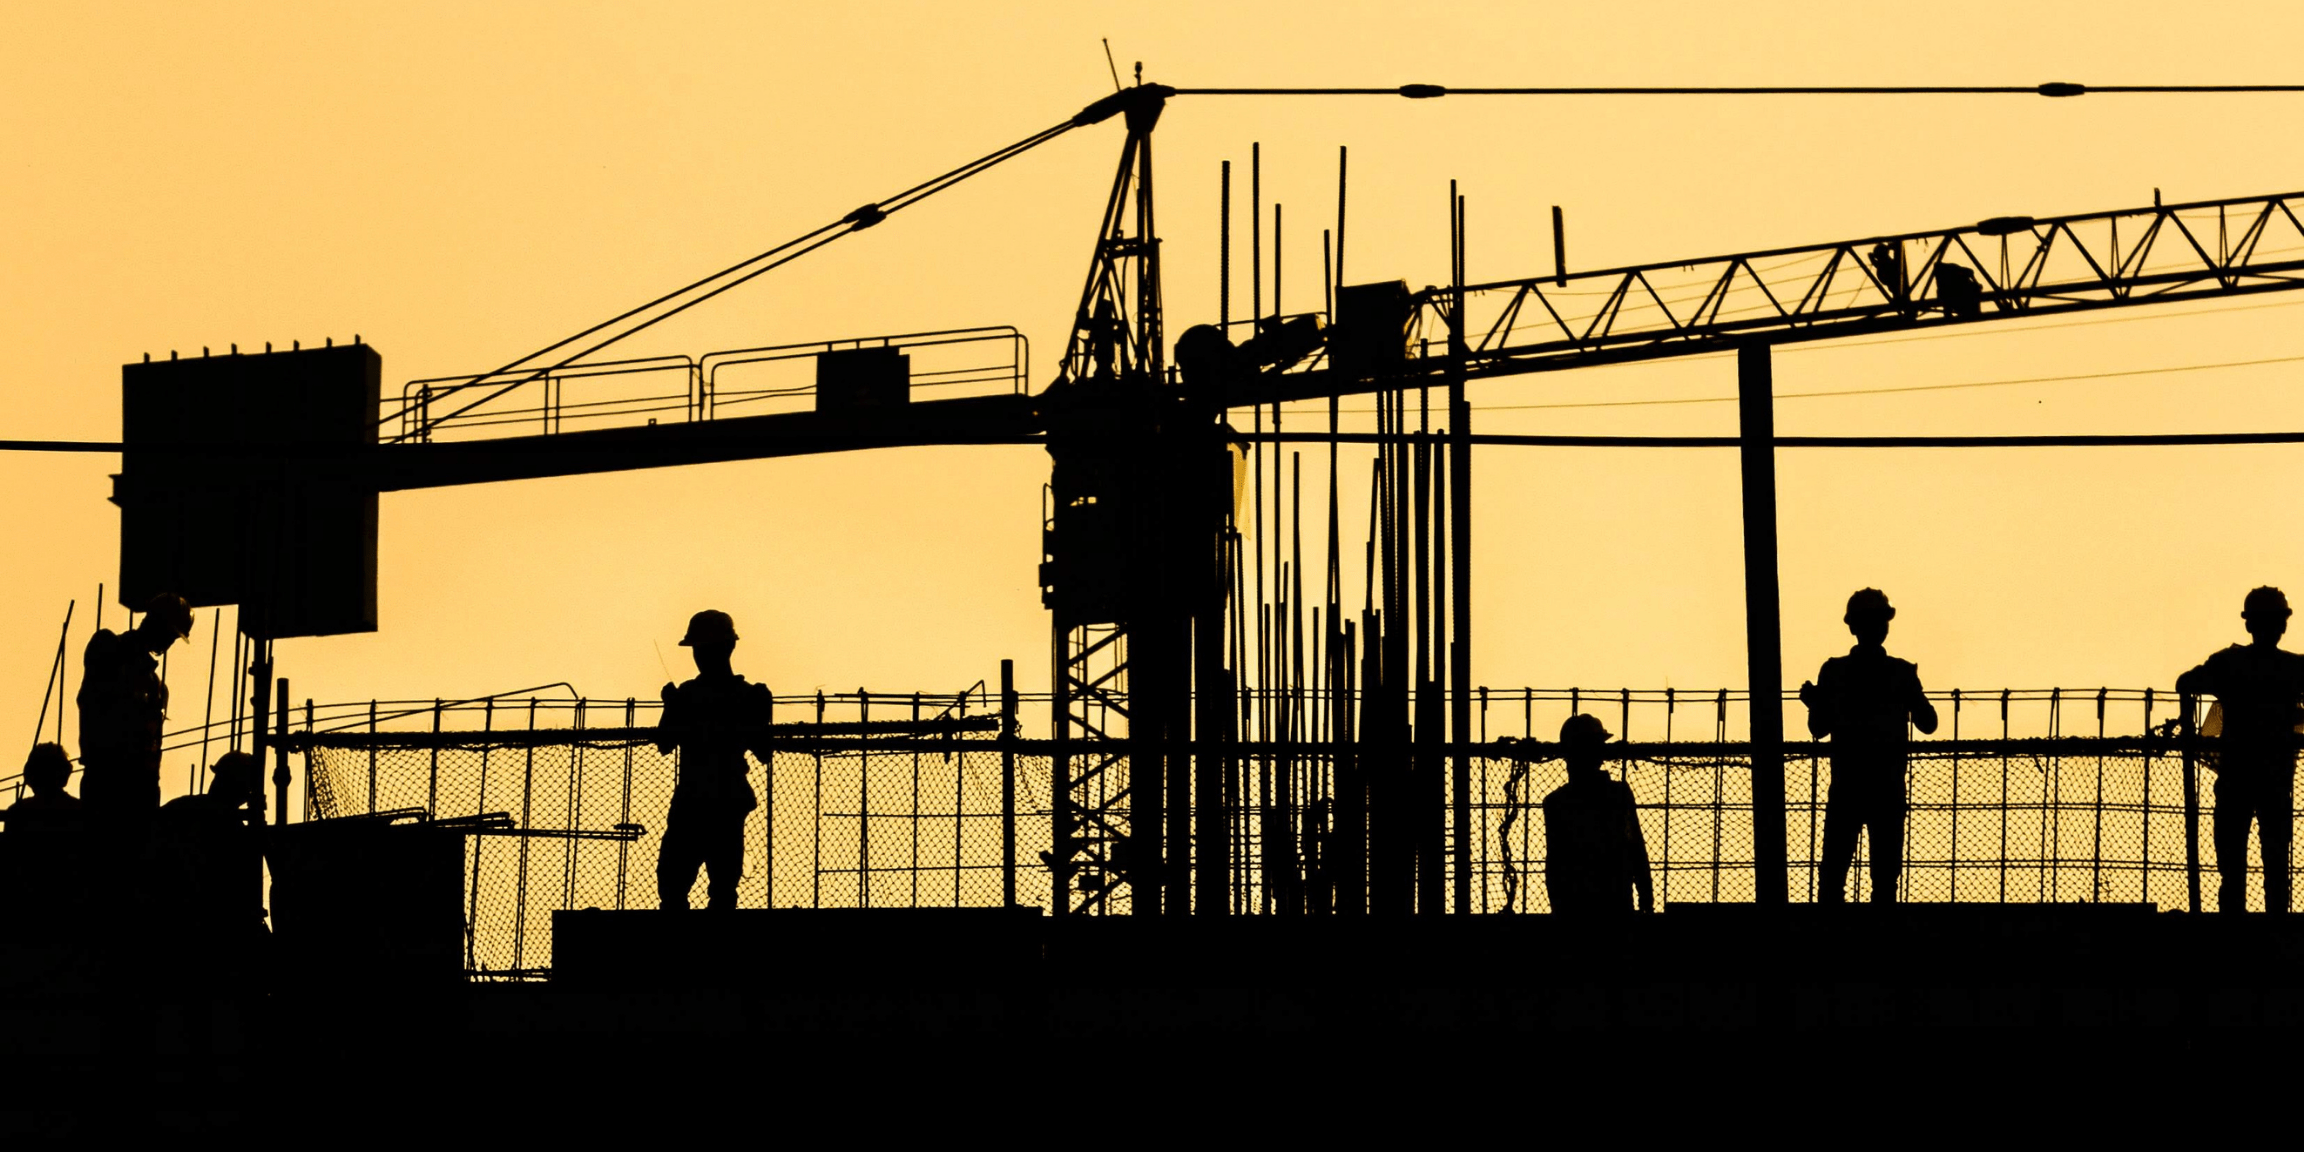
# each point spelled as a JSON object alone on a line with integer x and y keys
{"x": 855, "y": 221}
{"x": 2054, "y": 88}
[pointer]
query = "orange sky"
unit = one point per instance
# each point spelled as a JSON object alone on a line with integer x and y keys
{"x": 459, "y": 184}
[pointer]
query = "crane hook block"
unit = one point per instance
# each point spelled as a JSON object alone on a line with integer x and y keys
{"x": 1422, "y": 91}
{"x": 864, "y": 217}
{"x": 2063, "y": 88}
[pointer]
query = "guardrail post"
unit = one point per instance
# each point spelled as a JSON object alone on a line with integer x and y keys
{"x": 1008, "y": 783}
{"x": 2191, "y": 803}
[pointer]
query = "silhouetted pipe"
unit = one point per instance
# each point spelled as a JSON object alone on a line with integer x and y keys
{"x": 1763, "y": 633}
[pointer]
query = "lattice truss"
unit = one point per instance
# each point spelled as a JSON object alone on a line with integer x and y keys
{"x": 1999, "y": 268}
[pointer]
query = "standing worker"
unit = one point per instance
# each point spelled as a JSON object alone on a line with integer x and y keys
{"x": 1864, "y": 701}
{"x": 43, "y": 849}
{"x": 1595, "y": 858}
{"x": 2258, "y": 684}
{"x": 122, "y": 705}
{"x": 713, "y": 720}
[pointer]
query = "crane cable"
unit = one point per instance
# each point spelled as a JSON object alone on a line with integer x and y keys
{"x": 2054, "y": 89}
{"x": 855, "y": 221}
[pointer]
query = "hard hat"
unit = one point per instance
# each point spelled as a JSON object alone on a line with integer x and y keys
{"x": 1868, "y": 604}
{"x": 168, "y": 610}
{"x": 48, "y": 761}
{"x": 236, "y": 771}
{"x": 1583, "y": 730}
{"x": 2267, "y": 602}
{"x": 709, "y": 627}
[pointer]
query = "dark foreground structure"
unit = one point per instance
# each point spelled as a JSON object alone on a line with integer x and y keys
{"x": 783, "y": 1014}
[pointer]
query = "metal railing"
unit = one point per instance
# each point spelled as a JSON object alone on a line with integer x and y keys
{"x": 2043, "y": 796}
{"x": 681, "y": 389}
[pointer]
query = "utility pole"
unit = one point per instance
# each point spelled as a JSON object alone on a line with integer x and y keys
{"x": 1763, "y": 627}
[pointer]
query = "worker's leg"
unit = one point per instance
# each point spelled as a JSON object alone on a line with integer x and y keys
{"x": 724, "y": 860}
{"x": 1886, "y": 820}
{"x": 1843, "y": 819}
{"x": 2235, "y": 809}
{"x": 2275, "y": 831}
{"x": 676, "y": 863}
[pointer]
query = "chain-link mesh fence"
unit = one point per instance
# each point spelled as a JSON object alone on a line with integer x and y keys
{"x": 918, "y": 822}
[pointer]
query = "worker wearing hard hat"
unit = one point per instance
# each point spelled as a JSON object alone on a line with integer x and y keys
{"x": 123, "y": 703}
{"x": 713, "y": 720}
{"x": 2257, "y": 686}
{"x": 1595, "y": 858}
{"x": 1865, "y": 701}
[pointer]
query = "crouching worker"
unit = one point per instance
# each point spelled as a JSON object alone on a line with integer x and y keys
{"x": 210, "y": 871}
{"x": 1595, "y": 859}
{"x": 713, "y": 720}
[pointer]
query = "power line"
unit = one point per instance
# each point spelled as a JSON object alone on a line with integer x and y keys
{"x": 2054, "y": 89}
{"x": 1906, "y": 388}
{"x": 2141, "y": 440}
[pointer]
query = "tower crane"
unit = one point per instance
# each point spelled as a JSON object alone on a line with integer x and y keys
{"x": 1140, "y": 554}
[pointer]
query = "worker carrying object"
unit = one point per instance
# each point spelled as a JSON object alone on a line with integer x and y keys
{"x": 713, "y": 720}
{"x": 1595, "y": 858}
{"x": 2257, "y": 685}
{"x": 123, "y": 704}
{"x": 1866, "y": 701}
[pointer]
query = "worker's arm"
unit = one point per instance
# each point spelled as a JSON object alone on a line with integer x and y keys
{"x": 2199, "y": 681}
{"x": 667, "y": 724}
{"x": 1819, "y": 702}
{"x": 1636, "y": 843}
{"x": 1922, "y": 710}
{"x": 763, "y": 717}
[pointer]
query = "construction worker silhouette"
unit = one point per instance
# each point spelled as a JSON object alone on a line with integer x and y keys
{"x": 713, "y": 720}
{"x": 43, "y": 846}
{"x": 1865, "y": 701}
{"x": 2258, "y": 685}
{"x": 1595, "y": 858}
{"x": 122, "y": 705}
{"x": 209, "y": 882}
